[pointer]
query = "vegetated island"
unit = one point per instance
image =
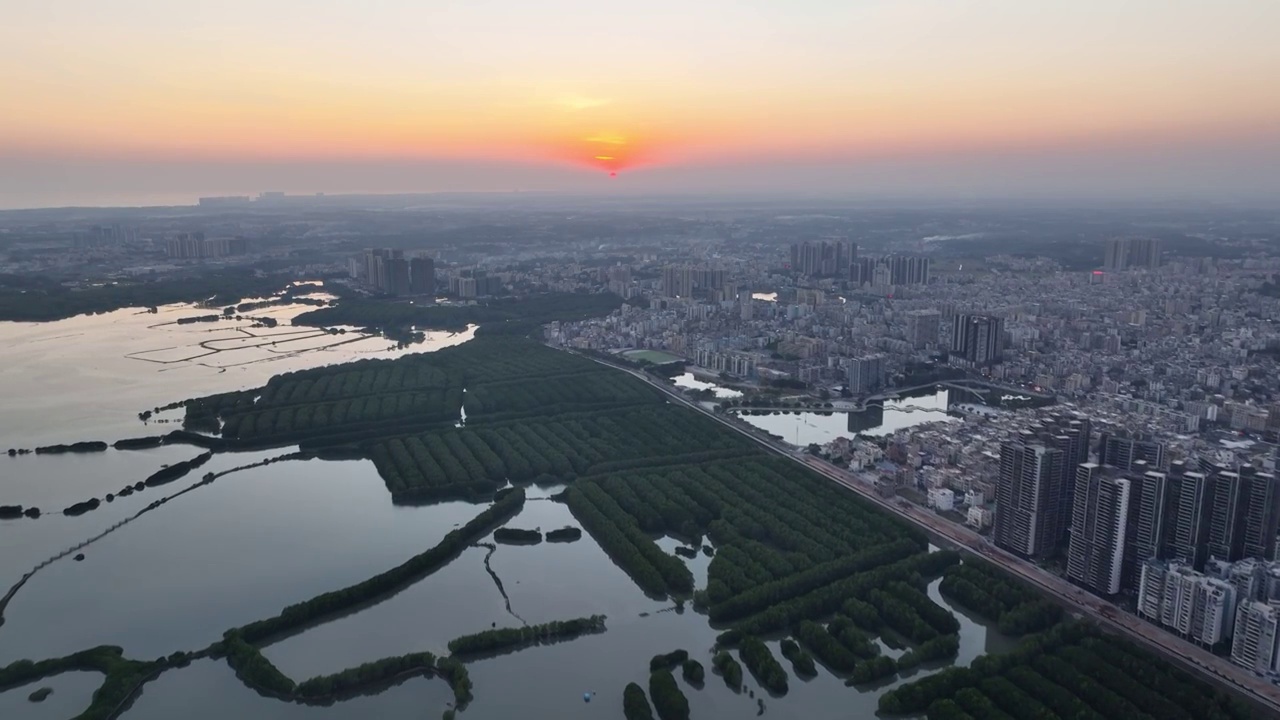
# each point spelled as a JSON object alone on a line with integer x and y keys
{"x": 30, "y": 298}
{"x": 87, "y": 446}
{"x": 517, "y": 536}
{"x": 177, "y": 470}
{"x": 509, "y": 639}
{"x": 564, "y": 534}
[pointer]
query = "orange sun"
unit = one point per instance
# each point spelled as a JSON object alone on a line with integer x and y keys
{"x": 609, "y": 151}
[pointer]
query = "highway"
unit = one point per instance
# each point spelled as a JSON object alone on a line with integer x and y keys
{"x": 1190, "y": 656}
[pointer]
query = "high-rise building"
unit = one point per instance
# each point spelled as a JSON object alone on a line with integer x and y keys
{"x": 677, "y": 281}
{"x": 422, "y": 276}
{"x": 922, "y": 327}
{"x": 1121, "y": 450}
{"x": 1214, "y": 615}
{"x": 978, "y": 339}
{"x": 1100, "y": 518}
{"x": 1027, "y": 477}
{"x": 890, "y": 270}
{"x": 386, "y": 270}
{"x": 1070, "y": 433}
{"x": 866, "y": 374}
{"x": 397, "y": 276}
{"x": 685, "y": 282}
{"x": 825, "y": 258}
{"x": 1257, "y": 632}
{"x": 1129, "y": 253}
{"x": 1184, "y": 518}
{"x": 1241, "y": 513}
{"x": 1246, "y": 576}
{"x": 1260, "y": 496}
{"x": 1196, "y": 606}
{"x": 1223, "y": 508}
{"x": 908, "y": 269}
{"x": 1145, "y": 532}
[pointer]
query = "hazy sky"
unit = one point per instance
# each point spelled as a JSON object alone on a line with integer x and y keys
{"x": 108, "y": 100}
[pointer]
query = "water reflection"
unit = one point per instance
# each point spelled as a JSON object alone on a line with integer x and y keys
{"x": 549, "y": 681}
{"x": 226, "y": 554}
{"x": 29, "y": 542}
{"x": 52, "y": 482}
{"x": 689, "y": 380}
{"x": 88, "y": 377}
{"x": 72, "y": 693}
{"x": 209, "y": 690}
{"x": 458, "y": 599}
{"x": 805, "y": 427}
{"x": 544, "y": 582}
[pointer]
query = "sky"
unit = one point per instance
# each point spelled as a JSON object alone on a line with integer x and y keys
{"x": 130, "y": 101}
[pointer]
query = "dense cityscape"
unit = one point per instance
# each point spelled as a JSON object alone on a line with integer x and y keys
{"x": 1097, "y": 417}
{"x": 1152, "y": 480}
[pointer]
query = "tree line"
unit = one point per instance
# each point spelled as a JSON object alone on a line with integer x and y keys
{"x": 505, "y": 639}
{"x": 618, "y": 534}
{"x": 635, "y": 706}
{"x": 363, "y": 676}
{"x": 1070, "y": 671}
{"x": 525, "y": 313}
{"x": 40, "y": 299}
{"x": 668, "y": 698}
{"x": 327, "y": 604}
{"x": 986, "y": 591}
{"x": 763, "y": 665}
{"x": 729, "y": 669}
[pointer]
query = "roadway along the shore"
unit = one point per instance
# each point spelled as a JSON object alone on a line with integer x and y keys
{"x": 1190, "y": 656}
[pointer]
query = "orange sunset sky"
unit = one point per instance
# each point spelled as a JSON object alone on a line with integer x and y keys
{"x": 97, "y": 96}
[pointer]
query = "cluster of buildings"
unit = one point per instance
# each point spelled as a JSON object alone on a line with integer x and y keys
{"x": 194, "y": 246}
{"x": 1189, "y": 542}
{"x": 839, "y": 259}
{"x": 1132, "y": 253}
{"x": 1154, "y": 470}
{"x": 388, "y": 271}
{"x": 472, "y": 283}
{"x": 1230, "y": 606}
{"x": 694, "y": 282}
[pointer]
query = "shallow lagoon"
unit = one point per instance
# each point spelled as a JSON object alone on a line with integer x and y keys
{"x": 72, "y": 693}
{"x": 209, "y": 690}
{"x": 88, "y": 377}
{"x": 223, "y": 555}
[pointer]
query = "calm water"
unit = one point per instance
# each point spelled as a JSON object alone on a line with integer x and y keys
{"x": 209, "y": 690}
{"x": 259, "y": 539}
{"x": 52, "y": 482}
{"x": 223, "y": 555}
{"x": 691, "y": 381}
{"x": 72, "y": 693}
{"x": 88, "y": 377}
{"x": 548, "y": 581}
{"x": 802, "y": 428}
{"x": 549, "y": 681}
{"x": 25, "y": 542}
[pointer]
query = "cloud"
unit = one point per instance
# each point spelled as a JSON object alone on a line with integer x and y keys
{"x": 606, "y": 138}
{"x": 574, "y": 103}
